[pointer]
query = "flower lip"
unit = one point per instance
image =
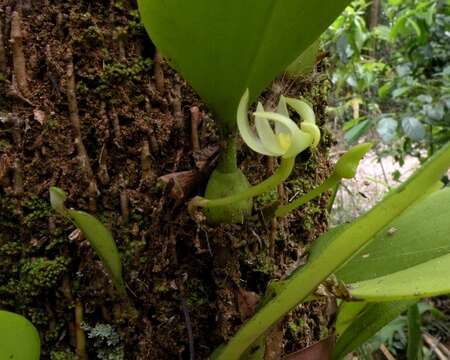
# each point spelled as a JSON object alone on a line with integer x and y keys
{"x": 286, "y": 138}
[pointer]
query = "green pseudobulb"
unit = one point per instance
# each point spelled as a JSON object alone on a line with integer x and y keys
{"x": 19, "y": 339}
{"x": 225, "y": 184}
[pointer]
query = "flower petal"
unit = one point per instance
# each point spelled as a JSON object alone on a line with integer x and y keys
{"x": 313, "y": 130}
{"x": 300, "y": 139}
{"x": 266, "y": 134}
{"x": 282, "y": 110}
{"x": 303, "y": 109}
{"x": 247, "y": 134}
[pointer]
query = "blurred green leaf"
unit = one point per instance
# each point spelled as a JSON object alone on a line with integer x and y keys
{"x": 357, "y": 131}
{"x": 413, "y": 128}
{"x": 19, "y": 339}
{"x": 373, "y": 318}
{"x": 387, "y": 129}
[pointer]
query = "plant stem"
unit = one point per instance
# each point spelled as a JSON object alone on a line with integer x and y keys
{"x": 282, "y": 173}
{"x": 228, "y": 160}
{"x": 326, "y": 185}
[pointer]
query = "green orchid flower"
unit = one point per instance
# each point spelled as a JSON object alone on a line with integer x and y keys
{"x": 286, "y": 139}
{"x": 283, "y": 139}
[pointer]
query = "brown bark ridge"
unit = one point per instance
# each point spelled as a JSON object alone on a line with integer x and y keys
{"x": 110, "y": 123}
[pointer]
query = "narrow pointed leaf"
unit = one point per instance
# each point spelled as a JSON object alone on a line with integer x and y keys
{"x": 224, "y": 47}
{"x": 97, "y": 234}
{"x": 103, "y": 243}
{"x": 19, "y": 339}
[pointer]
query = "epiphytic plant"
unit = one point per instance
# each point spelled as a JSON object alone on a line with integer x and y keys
{"x": 286, "y": 140}
{"x": 247, "y": 44}
{"x": 97, "y": 234}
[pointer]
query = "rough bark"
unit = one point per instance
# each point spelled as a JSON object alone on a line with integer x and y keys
{"x": 103, "y": 123}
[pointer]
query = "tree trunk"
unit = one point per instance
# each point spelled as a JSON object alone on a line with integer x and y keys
{"x": 89, "y": 105}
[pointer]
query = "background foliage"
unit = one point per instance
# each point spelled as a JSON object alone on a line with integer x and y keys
{"x": 392, "y": 80}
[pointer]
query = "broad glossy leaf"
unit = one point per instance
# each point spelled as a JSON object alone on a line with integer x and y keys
{"x": 419, "y": 235}
{"x": 372, "y": 319}
{"x": 19, "y": 339}
{"x": 224, "y": 47}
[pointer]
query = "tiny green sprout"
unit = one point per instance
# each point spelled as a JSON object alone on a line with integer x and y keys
{"x": 96, "y": 233}
{"x": 286, "y": 140}
{"x": 57, "y": 199}
{"x": 345, "y": 169}
{"x": 348, "y": 163}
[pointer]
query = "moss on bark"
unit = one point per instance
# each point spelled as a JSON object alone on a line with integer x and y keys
{"x": 134, "y": 131}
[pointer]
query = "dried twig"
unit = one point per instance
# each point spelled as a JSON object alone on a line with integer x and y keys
{"x": 196, "y": 120}
{"x": 176, "y": 107}
{"x": 79, "y": 333}
{"x": 20, "y": 72}
{"x": 124, "y": 206}
{"x": 386, "y": 352}
{"x": 440, "y": 350}
{"x": 75, "y": 117}
{"x": 103, "y": 166}
{"x": 2, "y": 50}
{"x": 92, "y": 192}
{"x": 148, "y": 175}
{"x": 116, "y": 124}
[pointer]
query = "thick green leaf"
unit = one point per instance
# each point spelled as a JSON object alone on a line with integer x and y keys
{"x": 224, "y": 47}
{"x": 419, "y": 235}
{"x": 368, "y": 323}
{"x": 97, "y": 234}
{"x": 431, "y": 278}
{"x": 103, "y": 243}
{"x": 19, "y": 339}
